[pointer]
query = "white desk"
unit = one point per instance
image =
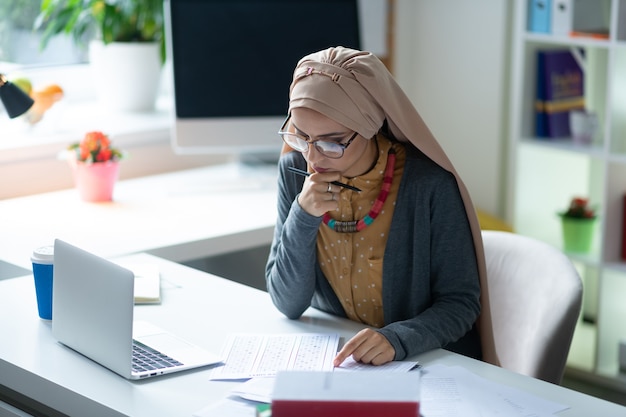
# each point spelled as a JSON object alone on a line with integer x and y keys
{"x": 179, "y": 216}
{"x": 204, "y": 309}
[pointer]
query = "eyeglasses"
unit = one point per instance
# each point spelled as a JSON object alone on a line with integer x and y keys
{"x": 329, "y": 149}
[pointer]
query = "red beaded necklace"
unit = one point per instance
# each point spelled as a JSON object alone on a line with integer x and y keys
{"x": 358, "y": 225}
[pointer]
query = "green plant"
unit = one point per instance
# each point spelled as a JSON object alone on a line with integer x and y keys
{"x": 108, "y": 20}
{"x": 579, "y": 209}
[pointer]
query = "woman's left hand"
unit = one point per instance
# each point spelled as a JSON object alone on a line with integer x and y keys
{"x": 367, "y": 346}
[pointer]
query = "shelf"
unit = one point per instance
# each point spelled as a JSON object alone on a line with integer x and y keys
{"x": 566, "y": 144}
{"x": 546, "y": 173}
{"x": 618, "y": 158}
{"x": 587, "y": 260}
{"x": 568, "y": 41}
{"x": 619, "y": 267}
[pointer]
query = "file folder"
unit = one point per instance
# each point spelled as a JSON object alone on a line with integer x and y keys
{"x": 562, "y": 17}
{"x": 539, "y": 19}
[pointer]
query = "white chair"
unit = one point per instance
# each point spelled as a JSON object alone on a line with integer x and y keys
{"x": 535, "y": 296}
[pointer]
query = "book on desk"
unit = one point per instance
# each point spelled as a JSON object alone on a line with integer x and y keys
{"x": 147, "y": 282}
{"x": 346, "y": 394}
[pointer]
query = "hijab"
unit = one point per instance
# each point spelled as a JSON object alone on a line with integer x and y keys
{"x": 355, "y": 89}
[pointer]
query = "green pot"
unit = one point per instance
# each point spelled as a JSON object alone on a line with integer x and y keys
{"x": 577, "y": 234}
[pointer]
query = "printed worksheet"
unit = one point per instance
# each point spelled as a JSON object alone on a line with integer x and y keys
{"x": 350, "y": 365}
{"x": 261, "y": 355}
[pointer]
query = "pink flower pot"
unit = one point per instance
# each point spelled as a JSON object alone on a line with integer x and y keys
{"x": 95, "y": 182}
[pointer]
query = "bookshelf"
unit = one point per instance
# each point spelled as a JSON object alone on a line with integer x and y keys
{"x": 544, "y": 174}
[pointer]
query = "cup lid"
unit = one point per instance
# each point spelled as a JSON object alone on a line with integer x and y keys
{"x": 43, "y": 254}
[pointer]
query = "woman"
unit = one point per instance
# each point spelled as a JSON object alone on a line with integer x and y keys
{"x": 403, "y": 255}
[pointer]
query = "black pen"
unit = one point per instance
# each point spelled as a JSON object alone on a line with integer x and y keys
{"x": 306, "y": 174}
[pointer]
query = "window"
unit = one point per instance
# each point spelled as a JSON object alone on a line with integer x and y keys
{"x": 28, "y": 150}
{"x": 21, "y": 56}
{"x": 19, "y": 43}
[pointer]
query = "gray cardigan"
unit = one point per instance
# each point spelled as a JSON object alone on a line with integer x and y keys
{"x": 430, "y": 277}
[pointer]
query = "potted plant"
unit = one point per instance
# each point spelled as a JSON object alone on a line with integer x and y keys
{"x": 126, "y": 45}
{"x": 578, "y": 223}
{"x": 95, "y": 165}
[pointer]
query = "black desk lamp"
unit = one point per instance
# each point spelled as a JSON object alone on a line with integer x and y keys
{"x": 15, "y": 100}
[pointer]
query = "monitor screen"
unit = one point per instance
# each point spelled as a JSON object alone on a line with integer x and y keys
{"x": 233, "y": 62}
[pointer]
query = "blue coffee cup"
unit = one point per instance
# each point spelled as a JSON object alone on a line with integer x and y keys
{"x": 43, "y": 264}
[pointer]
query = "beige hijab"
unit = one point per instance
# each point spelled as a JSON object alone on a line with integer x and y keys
{"x": 355, "y": 89}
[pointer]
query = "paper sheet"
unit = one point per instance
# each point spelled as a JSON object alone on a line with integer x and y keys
{"x": 260, "y": 389}
{"x": 455, "y": 391}
{"x": 255, "y": 355}
{"x": 256, "y": 389}
{"x": 350, "y": 365}
{"x": 444, "y": 394}
{"x": 445, "y": 391}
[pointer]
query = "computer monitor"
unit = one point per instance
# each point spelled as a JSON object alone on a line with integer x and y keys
{"x": 233, "y": 62}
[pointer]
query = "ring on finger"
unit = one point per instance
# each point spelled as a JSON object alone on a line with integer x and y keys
{"x": 330, "y": 189}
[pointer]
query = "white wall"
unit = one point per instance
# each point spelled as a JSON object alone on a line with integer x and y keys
{"x": 451, "y": 58}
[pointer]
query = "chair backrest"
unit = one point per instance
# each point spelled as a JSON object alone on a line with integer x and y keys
{"x": 535, "y": 295}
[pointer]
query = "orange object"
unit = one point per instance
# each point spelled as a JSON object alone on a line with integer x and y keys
{"x": 600, "y": 34}
{"x": 44, "y": 99}
{"x": 53, "y": 90}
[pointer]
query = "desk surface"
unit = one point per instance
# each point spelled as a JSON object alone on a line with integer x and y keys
{"x": 204, "y": 309}
{"x": 179, "y": 216}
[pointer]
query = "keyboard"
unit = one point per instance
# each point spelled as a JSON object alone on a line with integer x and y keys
{"x": 148, "y": 359}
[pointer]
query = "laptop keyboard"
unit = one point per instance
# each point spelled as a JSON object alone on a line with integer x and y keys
{"x": 148, "y": 359}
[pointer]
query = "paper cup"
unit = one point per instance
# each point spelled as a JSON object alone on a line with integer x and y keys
{"x": 43, "y": 264}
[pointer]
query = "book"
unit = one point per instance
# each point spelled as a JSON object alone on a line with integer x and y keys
{"x": 147, "y": 282}
{"x": 560, "y": 89}
{"x": 539, "y": 19}
{"x": 350, "y": 394}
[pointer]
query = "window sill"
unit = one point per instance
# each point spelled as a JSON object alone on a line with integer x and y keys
{"x": 29, "y": 154}
{"x": 77, "y": 113}
{"x": 66, "y": 123}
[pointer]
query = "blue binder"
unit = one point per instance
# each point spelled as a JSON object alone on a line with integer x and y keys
{"x": 539, "y": 19}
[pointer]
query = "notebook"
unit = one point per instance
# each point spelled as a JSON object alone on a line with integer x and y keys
{"x": 147, "y": 282}
{"x": 92, "y": 313}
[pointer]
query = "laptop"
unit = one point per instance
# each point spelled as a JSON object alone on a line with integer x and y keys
{"x": 92, "y": 313}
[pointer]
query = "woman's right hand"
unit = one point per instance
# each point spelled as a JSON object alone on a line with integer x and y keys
{"x": 318, "y": 195}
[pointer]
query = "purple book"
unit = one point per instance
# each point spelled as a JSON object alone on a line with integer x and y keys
{"x": 560, "y": 89}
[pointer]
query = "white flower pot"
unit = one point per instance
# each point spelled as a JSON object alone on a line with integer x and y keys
{"x": 126, "y": 74}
